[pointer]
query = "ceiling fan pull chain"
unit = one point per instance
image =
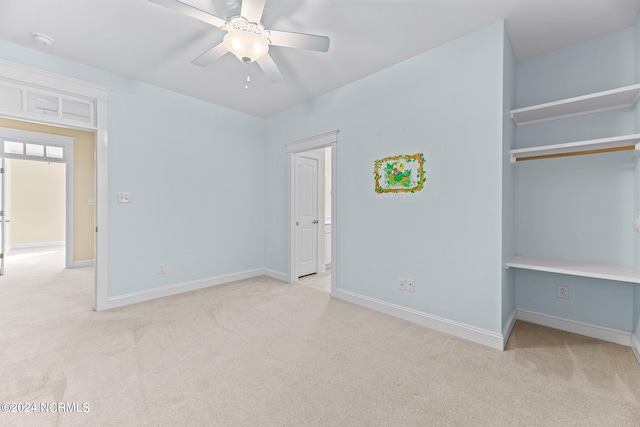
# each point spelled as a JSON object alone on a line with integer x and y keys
{"x": 246, "y": 87}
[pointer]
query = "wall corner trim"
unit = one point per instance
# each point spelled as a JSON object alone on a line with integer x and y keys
{"x": 179, "y": 288}
{"x": 616, "y": 336}
{"x": 83, "y": 263}
{"x": 460, "y": 330}
{"x": 635, "y": 347}
{"x": 283, "y": 277}
{"x": 508, "y": 327}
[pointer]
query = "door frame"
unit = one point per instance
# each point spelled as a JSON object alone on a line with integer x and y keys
{"x": 327, "y": 139}
{"x": 40, "y": 138}
{"x": 28, "y": 78}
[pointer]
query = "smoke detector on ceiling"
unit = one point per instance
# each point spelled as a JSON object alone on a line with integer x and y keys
{"x": 43, "y": 39}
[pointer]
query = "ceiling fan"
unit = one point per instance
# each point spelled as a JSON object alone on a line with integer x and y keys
{"x": 246, "y": 37}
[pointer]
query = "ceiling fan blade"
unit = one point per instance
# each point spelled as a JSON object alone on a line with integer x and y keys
{"x": 270, "y": 68}
{"x": 299, "y": 40}
{"x": 252, "y": 10}
{"x": 191, "y": 11}
{"x": 211, "y": 55}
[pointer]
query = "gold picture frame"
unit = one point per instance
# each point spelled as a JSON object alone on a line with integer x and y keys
{"x": 400, "y": 174}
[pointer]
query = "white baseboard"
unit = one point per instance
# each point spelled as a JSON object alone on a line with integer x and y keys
{"x": 83, "y": 263}
{"x": 581, "y": 328}
{"x": 470, "y": 333}
{"x": 283, "y": 277}
{"x": 635, "y": 347}
{"x": 508, "y": 327}
{"x": 35, "y": 245}
{"x": 165, "y": 291}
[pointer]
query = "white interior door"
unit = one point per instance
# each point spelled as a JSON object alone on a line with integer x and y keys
{"x": 306, "y": 215}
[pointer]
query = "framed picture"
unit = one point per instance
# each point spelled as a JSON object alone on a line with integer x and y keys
{"x": 400, "y": 174}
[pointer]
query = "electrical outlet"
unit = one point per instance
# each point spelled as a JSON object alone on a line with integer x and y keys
{"x": 161, "y": 269}
{"x": 124, "y": 197}
{"x": 411, "y": 285}
{"x": 563, "y": 292}
{"x": 403, "y": 284}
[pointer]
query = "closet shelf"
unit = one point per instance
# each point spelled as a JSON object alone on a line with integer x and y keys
{"x": 596, "y": 102}
{"x": 622, "y": 273}
{"x": 593, "y": 146}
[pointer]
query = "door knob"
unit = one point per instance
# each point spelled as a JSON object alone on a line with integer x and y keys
{"x": 315, "y": 221}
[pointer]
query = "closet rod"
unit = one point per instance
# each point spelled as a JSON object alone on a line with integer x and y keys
{"x": 577, "y": 153}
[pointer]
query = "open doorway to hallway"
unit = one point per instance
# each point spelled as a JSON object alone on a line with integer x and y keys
{"x": 48, "y": 204}
{"x": 35, "y": 211}
{"x": 312, "y": 211}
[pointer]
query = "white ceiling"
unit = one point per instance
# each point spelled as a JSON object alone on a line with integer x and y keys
{"x": 153, "y": 44}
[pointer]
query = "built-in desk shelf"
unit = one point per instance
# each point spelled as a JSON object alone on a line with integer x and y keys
{"x": 596, "y": 102}
{"x": 621, "y": 273}
{"x": 593, "y": 146}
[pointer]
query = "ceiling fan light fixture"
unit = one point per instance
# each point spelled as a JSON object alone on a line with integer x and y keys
{"x": 247, "y": 46}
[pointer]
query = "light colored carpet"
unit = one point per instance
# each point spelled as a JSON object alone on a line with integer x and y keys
{"x": 263, "y": 353}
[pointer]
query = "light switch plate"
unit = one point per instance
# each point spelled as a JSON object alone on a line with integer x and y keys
{"x": 124, "y": 197}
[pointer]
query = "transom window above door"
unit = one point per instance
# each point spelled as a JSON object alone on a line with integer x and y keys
{"x": 13, "y": 149}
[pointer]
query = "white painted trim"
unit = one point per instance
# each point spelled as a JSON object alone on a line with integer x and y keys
{"x": 101, "y": 242}
{"x": 84, "y": 263}
{"x": 33, "y": 77}
{"x": 36, "y": 137}
{"x": 506, "y": 331}
{"x": 327, "y": 139}
{"x": 178, "y": 288}
{"x": 616, "y": 336}
{"x": 334, "y": 216}
{"x": 311, "y": 143}
{"x": 69, "y": 208}
{"x": 35, "y": 245}
{"x": 460, "y": 330}
{"x": 635, "y": 347}
{"x": 283, "y": 277}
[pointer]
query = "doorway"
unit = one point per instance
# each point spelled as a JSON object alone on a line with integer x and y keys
{"x": 312, "y": 211}
{"x": 35, "y": 213}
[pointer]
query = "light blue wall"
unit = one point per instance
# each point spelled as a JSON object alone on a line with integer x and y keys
{"x": 601, "y": 302}
{"x": 448, "y": 104}
{"x": 508, "y": 182}
{"x": 577, "y": 208}
{"x": 195, "y": 172}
